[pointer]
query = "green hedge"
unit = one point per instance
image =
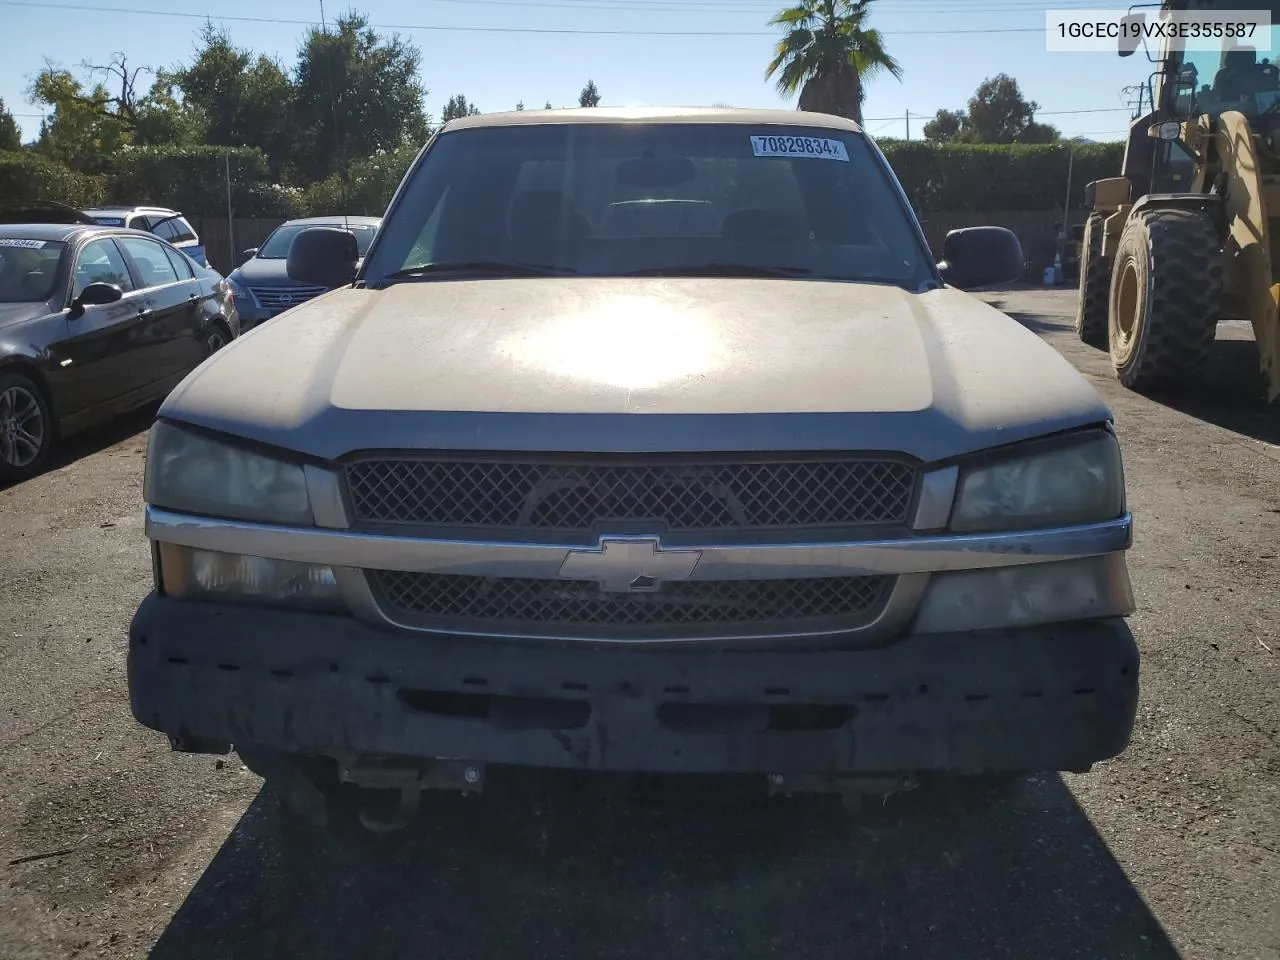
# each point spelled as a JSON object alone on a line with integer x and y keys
{"x": 28, "y": 176}
{"x": 194, "y": 180}
{"x": 368, "y": 189}
{"x": 959, "y": 177}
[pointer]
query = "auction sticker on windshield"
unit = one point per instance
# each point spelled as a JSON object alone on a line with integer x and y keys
{"x": 818, "y": 147}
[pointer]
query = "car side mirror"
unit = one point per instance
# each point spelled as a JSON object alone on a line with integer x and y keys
{"x": 247, "y": 255}
{"x": 323, "y": 256}
{"x": 1130, "y": 34}
{"x": 95, "y": 295}
{"x": 978, "y": 257}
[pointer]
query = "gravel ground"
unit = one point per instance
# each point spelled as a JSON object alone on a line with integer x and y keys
{"x": 111, "y": 846}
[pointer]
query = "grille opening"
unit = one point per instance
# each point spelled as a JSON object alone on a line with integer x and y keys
{"x": 809, "y": 717}
{"x": 511, "y": 603}
{"x": 753, "y": 718}
{"x": 714, "y": 718}
{"x": 575, "y": 495}
{"x": 506, "y": 713}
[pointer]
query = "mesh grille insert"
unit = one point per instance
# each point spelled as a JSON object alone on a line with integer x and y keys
{"x": 688, "y": 496}
{"x": 491, "y": 602}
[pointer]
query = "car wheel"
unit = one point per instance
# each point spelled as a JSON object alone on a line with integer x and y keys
{"x": 26, "y": 428}
{"x": 214, "y": 340}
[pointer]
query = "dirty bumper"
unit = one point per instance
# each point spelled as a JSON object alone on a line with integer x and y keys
{"x": 1049, "y": 698}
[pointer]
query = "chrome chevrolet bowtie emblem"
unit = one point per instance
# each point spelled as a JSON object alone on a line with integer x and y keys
{"x": 631, "y": 564}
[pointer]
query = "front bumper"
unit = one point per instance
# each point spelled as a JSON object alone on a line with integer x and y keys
{"x": 1046, "y": 698}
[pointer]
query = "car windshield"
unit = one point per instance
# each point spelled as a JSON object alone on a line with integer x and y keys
{"x": 29, "y": 269}
{"x": 679, "y": 198}
{"x": 277, "y": 245}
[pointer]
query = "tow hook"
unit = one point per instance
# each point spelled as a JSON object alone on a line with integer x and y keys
{"x": 404, "y": 784}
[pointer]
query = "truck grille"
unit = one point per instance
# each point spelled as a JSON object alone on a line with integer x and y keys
{"x": 279, "y": 299}
{"x": 498, "y": 605}
{"x": 681, "y": 495}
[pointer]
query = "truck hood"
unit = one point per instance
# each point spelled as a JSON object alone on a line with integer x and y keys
{"x": 608, "y": 364}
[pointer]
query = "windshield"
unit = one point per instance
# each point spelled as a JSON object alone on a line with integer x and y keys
{"x": 617, "y": 199}
{"x": 1236, "y": 76}
{"x": 29, "y": 269}
{"x": 277, "y": 245}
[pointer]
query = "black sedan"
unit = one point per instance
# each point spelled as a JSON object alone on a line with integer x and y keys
{"x": 95, "y": 321}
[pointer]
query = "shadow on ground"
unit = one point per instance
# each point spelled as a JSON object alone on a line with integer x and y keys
{"x": 689, "y": 871}
{"x": 1230, "y": 394}
{"x": 81, "y": 445}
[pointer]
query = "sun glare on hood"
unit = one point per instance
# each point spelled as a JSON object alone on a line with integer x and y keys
{"x": 625, "y": 341}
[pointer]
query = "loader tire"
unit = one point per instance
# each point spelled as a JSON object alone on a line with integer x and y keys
{"x": 1166, "y": 288}
{"x": 1095, "y": 286}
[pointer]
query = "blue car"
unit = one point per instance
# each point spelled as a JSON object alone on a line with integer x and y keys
{"x": 261, "y": 285}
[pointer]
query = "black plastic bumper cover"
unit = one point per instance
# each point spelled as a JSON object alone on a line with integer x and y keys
{"x": 1047, "y": 698}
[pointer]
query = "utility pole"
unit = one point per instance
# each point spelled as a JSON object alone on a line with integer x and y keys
{"x": 231, "y": 223}
{"x": 908, "y": 124}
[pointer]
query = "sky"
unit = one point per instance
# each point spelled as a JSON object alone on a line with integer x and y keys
{"x": 638, "y": 52}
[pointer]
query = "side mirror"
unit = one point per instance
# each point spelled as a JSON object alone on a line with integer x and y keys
{"x": 95, "y": 295}
{"x": 323, "y": 256}
{"x": 978, "y": 257}
{"x": 1130, "y": 34}
{"x": 247, "y": 255}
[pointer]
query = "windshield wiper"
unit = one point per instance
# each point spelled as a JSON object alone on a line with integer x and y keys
{"x": 490, "y": 268}
{"x": 719, "y": 270}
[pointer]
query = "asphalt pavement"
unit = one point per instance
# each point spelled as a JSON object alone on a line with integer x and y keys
{"x": 112, "y": 846}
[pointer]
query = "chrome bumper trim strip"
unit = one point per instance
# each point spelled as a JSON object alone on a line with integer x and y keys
{"x": 903, "y": 555}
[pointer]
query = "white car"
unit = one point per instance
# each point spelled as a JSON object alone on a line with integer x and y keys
{"x": 167, "y": 224}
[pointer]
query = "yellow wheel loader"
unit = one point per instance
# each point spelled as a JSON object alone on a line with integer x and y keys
{"x": 1182, "y": 239}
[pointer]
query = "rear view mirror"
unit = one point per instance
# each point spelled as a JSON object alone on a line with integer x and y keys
{"x": 247, "y": 255}
{"x": 651, "y": 172}
{"x": 1131, "y": 33}
{"x": 323, "y": 256}
{"x": 981, "y": 257}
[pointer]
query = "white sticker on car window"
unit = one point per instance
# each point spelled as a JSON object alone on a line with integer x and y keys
{"x": 29, "y": 244}
{"x": 820, "y": 148}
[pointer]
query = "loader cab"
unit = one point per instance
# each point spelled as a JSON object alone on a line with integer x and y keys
{"x": 1239, "y": 75}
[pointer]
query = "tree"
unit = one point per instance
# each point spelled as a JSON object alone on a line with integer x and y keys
{"x": 458, "y": 106}
{"x": 164, "y": 118}
{"x": 947, "y": 125}
{"x": 547, "y": 106}
{"x": 828, "y": 53}
{"x": 83, "y": 131}
{"x": 10, "y": 137}
{"x": 237, "y": 99}
{"x": 356, "y": 93}
{"x": 997, "y": 113}
{"x": 590, "y": 96}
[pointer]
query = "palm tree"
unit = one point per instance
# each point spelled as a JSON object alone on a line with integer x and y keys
{"x": 828, "y": 54}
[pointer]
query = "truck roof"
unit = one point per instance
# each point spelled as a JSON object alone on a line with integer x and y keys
{"x": 739, "y": 115}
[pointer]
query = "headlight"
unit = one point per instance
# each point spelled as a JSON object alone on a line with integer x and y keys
{"x": 241, "y": 292}
{"x": 1023, "y": 596}
{"x": 206, "y": 575}
{"x": 193, "y": 474}
{"x": 1078, "y": 482}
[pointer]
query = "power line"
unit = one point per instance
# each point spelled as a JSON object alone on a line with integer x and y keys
{"x": 1039, "y": 113}
{"x": 85, "y": 8}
